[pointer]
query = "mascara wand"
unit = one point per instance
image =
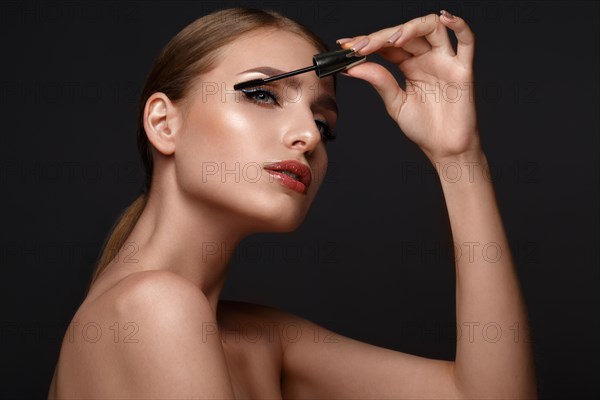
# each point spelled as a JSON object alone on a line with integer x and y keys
{"x": 324, "y": 64}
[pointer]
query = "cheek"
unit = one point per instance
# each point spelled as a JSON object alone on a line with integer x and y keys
{"x": 220, "y": 132}
{"x": 222, "y": 138}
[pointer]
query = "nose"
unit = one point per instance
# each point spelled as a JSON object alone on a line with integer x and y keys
{"x": 302, "y": 133}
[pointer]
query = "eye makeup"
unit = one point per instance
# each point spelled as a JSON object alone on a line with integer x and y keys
{"x": 252, "y": 94}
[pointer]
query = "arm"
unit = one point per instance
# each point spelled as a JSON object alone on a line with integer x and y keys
{"x": 437, "y": 112}
{"x": 492, "y": 360}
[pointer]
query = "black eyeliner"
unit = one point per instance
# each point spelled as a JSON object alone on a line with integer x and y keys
{"x": 249, "y": 93}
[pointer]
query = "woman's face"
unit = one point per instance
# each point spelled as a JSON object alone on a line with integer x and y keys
{"x": 229, "y": 136}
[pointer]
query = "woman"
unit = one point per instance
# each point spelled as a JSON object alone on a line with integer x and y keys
{"x": 152, "y": 325}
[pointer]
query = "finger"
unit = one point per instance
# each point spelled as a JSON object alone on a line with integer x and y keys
{"x": 416, "y": 46}
{"x": 464, "y": 36}
{"x": 376, "y": 37}
{"x": 395, "y": 55}
{"x": 430, "y": 28}
{"x": 379, "y": 42}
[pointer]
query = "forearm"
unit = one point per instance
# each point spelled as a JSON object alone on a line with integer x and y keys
{"x": 493, "y": 356}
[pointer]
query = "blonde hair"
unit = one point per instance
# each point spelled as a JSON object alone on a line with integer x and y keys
{"x": 190, "y": 53}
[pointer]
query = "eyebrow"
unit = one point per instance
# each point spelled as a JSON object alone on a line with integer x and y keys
{"x": 323, "y": 101}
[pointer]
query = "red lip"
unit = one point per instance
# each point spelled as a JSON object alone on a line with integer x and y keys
{"x": 295, "y": 167}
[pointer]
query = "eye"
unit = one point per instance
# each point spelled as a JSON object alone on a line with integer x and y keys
{"x": 326, "y": 133}
{"x": 261, "y": 96}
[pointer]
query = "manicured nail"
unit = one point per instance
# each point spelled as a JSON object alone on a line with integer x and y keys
{"x": 342, "y": 41}
{"x": 395, "y": 36}
{"x": 360, "y": 45}
{"x": 447, "y": 14}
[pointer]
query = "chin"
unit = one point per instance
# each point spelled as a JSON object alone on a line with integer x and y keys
{"x": 280, "y": 217}
{"x": 263, "y": 210}
{"x": 282, "y": 221}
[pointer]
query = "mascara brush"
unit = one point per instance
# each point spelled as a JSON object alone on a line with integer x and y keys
{"x": 324, "y": 64}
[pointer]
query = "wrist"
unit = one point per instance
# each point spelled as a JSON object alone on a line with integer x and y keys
{"x": 452, "y": 144}
{"x": 468, "y": 156}
{"x": 462, "y": 168}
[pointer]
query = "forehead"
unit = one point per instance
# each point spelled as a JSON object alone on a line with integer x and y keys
{"x": 272, "y": 48}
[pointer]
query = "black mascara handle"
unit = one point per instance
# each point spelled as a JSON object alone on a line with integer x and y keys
{"x": 336, "y": 61}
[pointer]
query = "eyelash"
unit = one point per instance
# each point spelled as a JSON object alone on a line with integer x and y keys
{"x": 327, "y": 133}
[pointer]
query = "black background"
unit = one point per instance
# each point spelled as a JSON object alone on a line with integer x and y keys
{"x": 371, "y": 260}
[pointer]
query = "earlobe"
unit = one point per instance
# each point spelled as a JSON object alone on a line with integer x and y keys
{"x": 160, "y": 123}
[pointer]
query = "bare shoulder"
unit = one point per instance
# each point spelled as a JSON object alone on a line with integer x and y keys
{"x": 142, "y": 286}
{"x": 147, "y": 340}
{"x": 148, "y": 297}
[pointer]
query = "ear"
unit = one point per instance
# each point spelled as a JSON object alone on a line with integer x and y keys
{"x": 162, "y": 122}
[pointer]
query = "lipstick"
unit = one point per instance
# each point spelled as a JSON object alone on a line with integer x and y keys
{"x": 290, "y": 173}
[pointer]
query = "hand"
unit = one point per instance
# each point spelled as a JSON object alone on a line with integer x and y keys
{"x": 437, "y": 109}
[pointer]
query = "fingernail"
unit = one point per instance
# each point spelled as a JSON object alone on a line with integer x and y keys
{"x": 360, "y": 45}
{"x": 447, "y": 14}
{"x": 342, "y": 41}
{"x": 395, "y": 36}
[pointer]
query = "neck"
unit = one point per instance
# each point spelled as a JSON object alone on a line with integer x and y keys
{"x": 196, "y": 242}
